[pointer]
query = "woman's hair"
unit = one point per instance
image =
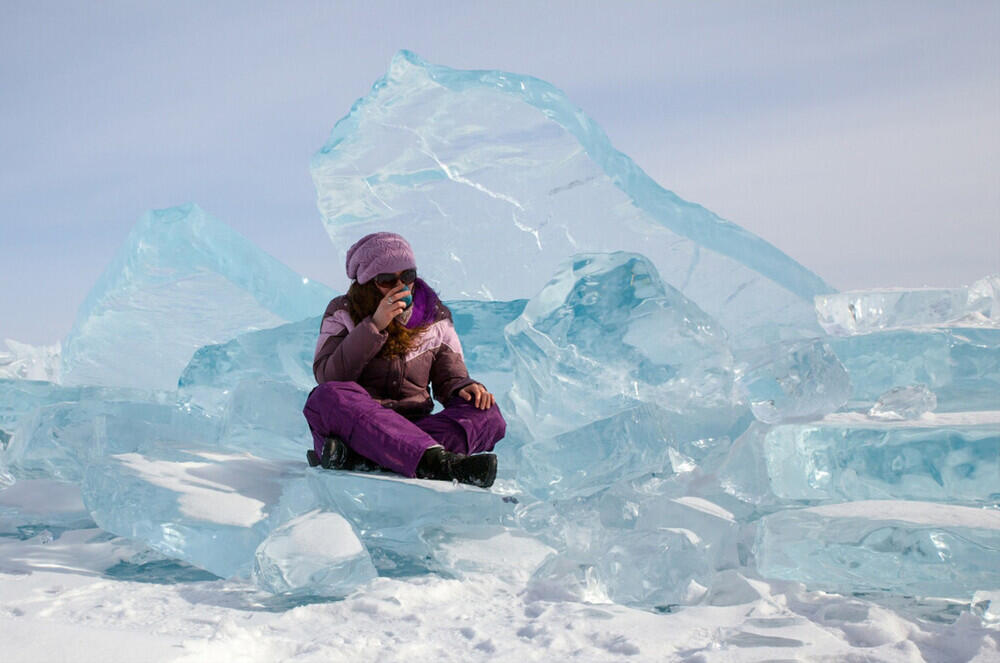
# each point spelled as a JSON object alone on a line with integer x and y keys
{"x": 362, "y": 300}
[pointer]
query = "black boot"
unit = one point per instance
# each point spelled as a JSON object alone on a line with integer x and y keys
{"x": 442, "y": 465}
{"x": 338, "y": 456}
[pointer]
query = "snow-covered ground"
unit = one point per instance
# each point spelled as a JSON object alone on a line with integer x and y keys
{"x": 64, "y": 597}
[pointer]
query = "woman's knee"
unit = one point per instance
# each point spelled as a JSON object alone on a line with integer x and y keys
{"x": 494, "y": 425}
{"x": 335, "y": 394}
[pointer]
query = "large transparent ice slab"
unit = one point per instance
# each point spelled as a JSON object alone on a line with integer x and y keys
{"x": 643, "y": 542}
{"x": 496, "y": 178}
{"x": 196, "y": 504}
{"x": 59, "y": 441}
{"x": 181, "y": 280}
{"x": 588, "y": 459}
{"x": 606, "y": 334}
{"x": 315, "y": 554}
{"x": 640, "y": 440}
{"x": 866, "y": 311}
{"x": 20, "y": 398}
{"x": 265, "y": 418}
{"x": 951, "y": 457}
{"x": 257, "y": 383}
{"x": 960, "y": 365}
{"x": 404, "y": 522}
{"x": 912, "y": 548}
{"x": 281, "y": 354}
{"x": 480, "y": 327}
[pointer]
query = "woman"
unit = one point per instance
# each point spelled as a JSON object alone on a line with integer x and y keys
{"x": 379, "y": 348}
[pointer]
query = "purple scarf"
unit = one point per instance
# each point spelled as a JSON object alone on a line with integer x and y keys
{"x": 424, "y": 305}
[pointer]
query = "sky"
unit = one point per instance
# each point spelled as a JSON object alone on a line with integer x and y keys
{"x": 861, "y": 138}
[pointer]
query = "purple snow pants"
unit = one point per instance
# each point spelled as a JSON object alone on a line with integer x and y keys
{"x": 346, "y": 410}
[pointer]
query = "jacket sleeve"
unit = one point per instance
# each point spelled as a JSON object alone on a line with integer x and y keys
{"x": 342, "y": 355}
{"x": 448, "y": 372}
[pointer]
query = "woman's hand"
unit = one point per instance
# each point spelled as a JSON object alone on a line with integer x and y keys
{"x": 391, "y": 305}
{"x": 476, "y": 392}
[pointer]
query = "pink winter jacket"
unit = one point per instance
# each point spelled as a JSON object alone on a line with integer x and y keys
{"x": 346, "y": 352}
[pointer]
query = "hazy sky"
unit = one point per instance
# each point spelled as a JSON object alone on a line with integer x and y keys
{"x": 862, "y": 138}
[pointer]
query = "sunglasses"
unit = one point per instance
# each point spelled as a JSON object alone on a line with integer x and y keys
{"x": 407, "y": 276}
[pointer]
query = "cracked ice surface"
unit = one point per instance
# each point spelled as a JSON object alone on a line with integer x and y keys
{"x": 497, "y": 178}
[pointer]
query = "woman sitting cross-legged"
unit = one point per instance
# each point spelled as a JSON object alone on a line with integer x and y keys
{"x": 380, "y": 346}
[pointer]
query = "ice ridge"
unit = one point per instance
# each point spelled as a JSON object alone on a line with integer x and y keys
{"x": 489, "y": 158}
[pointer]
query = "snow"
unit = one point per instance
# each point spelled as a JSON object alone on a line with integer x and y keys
{"x": 53, "y": 611}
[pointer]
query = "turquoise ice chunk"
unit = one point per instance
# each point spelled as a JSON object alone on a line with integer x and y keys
{"x": 867, "y": 311}
{"x": 895, "y": 547}
{"x": 909, "y": 402}
{"x": 951, "y": 457}
{"x": 281, "y": 354}
{"x": 181, "y": 280}
{"x": 605, "y": 335}
{"x": 209, "y": 508}
{"x": 20, "y": 398}
{"x": 793, "y": 380}
{"x": 496, "y": 178}
{"x": 61, "y": 440}
{"x": 315, "y": 554}
{"x": 643, "y": 542}
{"x": 32, "y": 506}
{"x": 405, "y": 522}
{"x": 480, "y": 328}
{"x": 590, "y": 458}
{"x": 961, "y": 365}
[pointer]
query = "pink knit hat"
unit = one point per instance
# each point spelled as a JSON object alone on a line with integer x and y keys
{"x": 377, "y": 253}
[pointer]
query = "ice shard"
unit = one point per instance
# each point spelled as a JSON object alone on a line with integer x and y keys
{"x": 281, "y": 354}
{"x": 497, "y": 178}
{"x": 28, "y": 362}
{"x": 606, "y": 334}
{"x": 910, "y": 548}
{"x": 405, "y": 522}
{"x": 196, "y": 504}
{"x": 642, "y": 542}
{"x": 587, "y": 459}
{"x": 866, "y": 311}
{"x": 20, "y": 398}
{"x": 181, "y": 280}
{"x": 949, "y": 458}
{"x": 960, "y": 365}
{"x": 315, "y": 554}
{"x": 793, "y": 380}
{"x": 59, "y": 441}
{"x": 909, "y": 402}
{"x": 480, "y": 328}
